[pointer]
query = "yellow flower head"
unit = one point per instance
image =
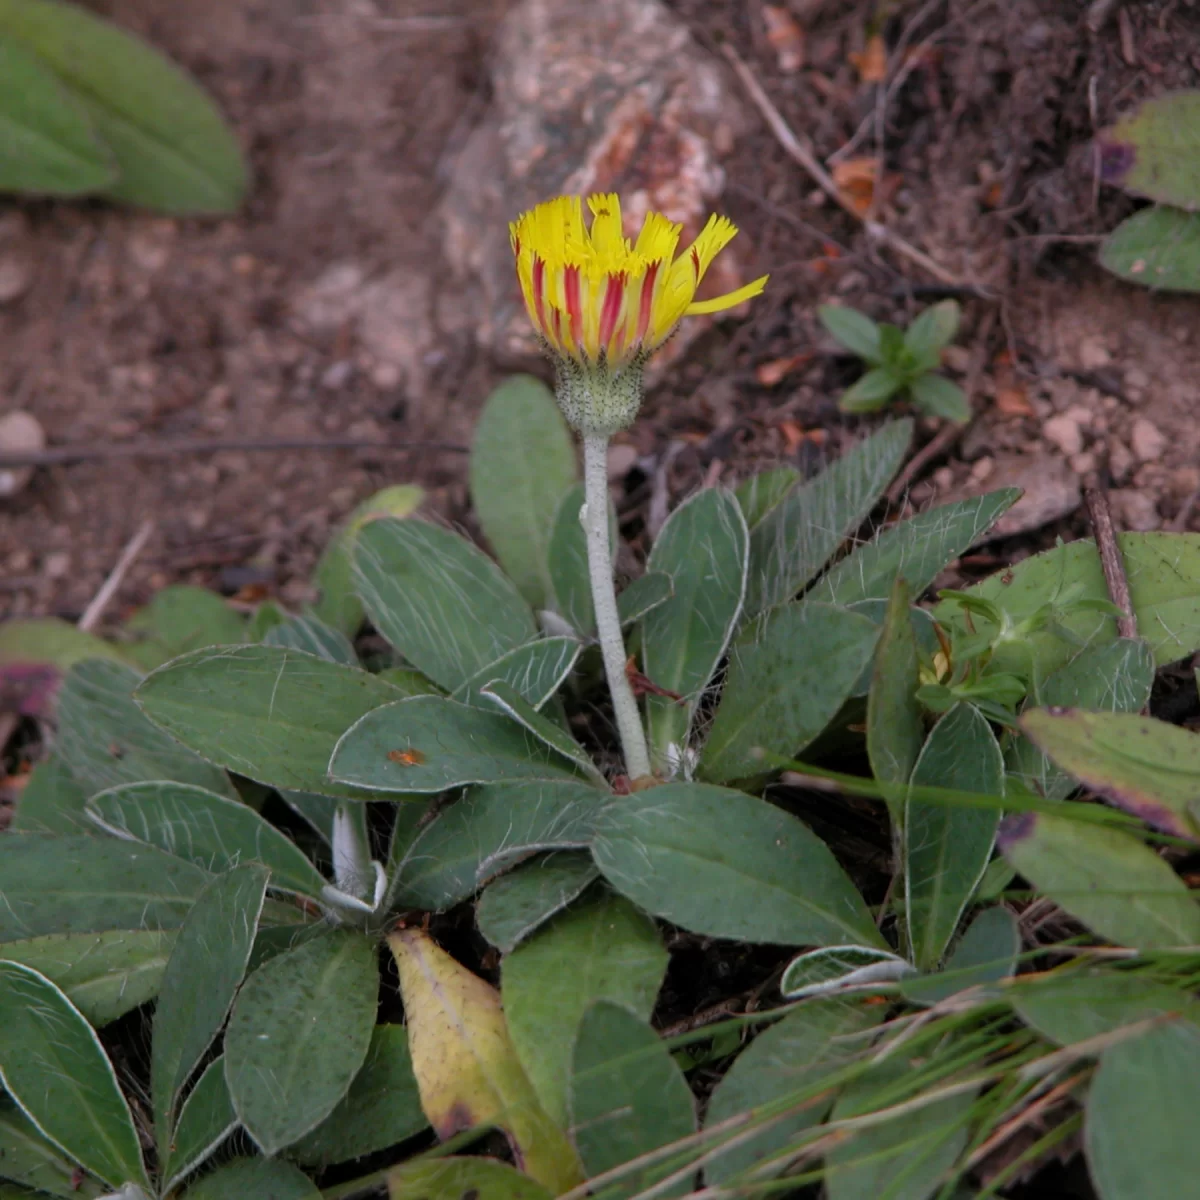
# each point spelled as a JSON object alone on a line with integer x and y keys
{"x": 600, "y": 301}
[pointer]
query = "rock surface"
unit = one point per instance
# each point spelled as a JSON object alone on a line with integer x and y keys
{"x": 614, "y": 96}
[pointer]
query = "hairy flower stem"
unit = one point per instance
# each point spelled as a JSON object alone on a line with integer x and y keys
{"x": 604, "y": 599}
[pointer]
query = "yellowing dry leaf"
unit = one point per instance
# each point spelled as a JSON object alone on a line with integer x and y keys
{"x": 871, "y": 61}
{"x": 775, "y": 370}
{"x": 856, "y": 183}
{"x": 1013, "y": 402}
{"x": 467, "y": 1071}
{"x": 785, "y": 36}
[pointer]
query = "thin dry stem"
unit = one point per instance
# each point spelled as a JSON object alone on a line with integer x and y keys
{"x": 108, "y": 589}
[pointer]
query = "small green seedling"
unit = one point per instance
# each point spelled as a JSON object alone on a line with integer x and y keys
{"x": 900, "y": 361}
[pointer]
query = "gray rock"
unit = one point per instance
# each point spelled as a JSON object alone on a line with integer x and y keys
{"x": 612, "y": 96}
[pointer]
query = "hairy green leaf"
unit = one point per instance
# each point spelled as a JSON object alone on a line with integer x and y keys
{"x": 53, "y": 1066}
{"x": 947, "y": 848}
{"x": 438, "y": 599}
{"x": 269, "y": 713}
{"x": 628, "y": 1096}
{"x": 173, "y": 150}
{"x": 211, "y": 831}
{"x": 299, "y": 1033}
{"x": 721, "y": 863}
{"x": 381, "y": 1107}
{"x": 522, "y": 463}
{"x": 200, "y": 982}
{"x": 516, "y": 904}
{"x": 703, "y": 548}
{"x": 488, "y": 831}
{"x": 430, "y": 744}
{"x": 600, "y": 949}
{"x": 1107, "y": 879}
{"x": 796, "y": 539}
{"x": 104, "y": 740}
{"x": 788, "y": 677}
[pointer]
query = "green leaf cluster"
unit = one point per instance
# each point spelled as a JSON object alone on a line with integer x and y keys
{"x": 902, "y": 362}
{"x": 1152, "y": 153}
{"x": 87, "y": 109}
{"x": 238, "y": 811}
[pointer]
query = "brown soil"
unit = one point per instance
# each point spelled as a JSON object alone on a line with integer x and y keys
{"x": 295, "y": 318}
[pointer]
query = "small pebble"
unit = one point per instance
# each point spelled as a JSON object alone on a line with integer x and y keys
{"x": 1064, "y": 434}
{"x": 56, "y": 565}
{"x": 1093, "y": 354}
{"x": 1146, "y": 440}
{"x": 621, "y": 458}
{"x": 1120, "y": 461}
{"x": 1134, "y": 509}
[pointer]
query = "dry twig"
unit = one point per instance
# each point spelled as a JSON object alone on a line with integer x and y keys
{"x": 1110, "y": 560}
{"x": 802, "y": 155}
{"x": 935, "y": 448}
{"x": 168, "y": 448}
{"x": 95, "y": 610}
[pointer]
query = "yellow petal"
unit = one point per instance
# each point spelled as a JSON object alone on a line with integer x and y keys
{"x": 467, "y": 1071}
{"x": 729, "y": 300}
{"x": 607, "y": 235}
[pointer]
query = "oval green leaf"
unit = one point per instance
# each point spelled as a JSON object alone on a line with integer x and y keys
{"x": 53, "y": 1066}
{"x": 381, "y": 1107}
{"x": 721, "y": 863}
{"x": 298, "y": 1035}
{"x": 91, "y": 885}
{"x": 1140, "y": 1127}
{"x": 262, "y": 1178}
{"x": 1153, "y": 151}
{"x": 266, "y": 712}
{"x": 946, "y": 849}
{"x": 310, "y": 634}
{"x": 915, "y": 550}
{"x": 1158, "y": 248}
{"x": 536, "y": 670}
{"x": 430, "y": 744}
{"x": 1110, "y": 881}
{"x": 338, "y": 604}
{"x": 516, "y": 904}
{"x": 201, "y": 980}
{"x": 791, "y": 1060}
{"x": 904, "y": 1158}
{"x": 29, "y": 1159}
{"x": 205, "y": 1121}
{"x": 105, "y": 740}
{"x": 522, "y": 463}
{"x": 703, "y": 548}
{"x": 799, "y": 536}
{"x": 1164, "y": 584}
{"x": 105, "y": 975}
{"x": 601, "y": 949}
{"x": 490, "y": 830}
{"x": 1140, "y": 764}
{"x": 1113, "y": 678}
{"x": 209, "y": 830}
{"x": 438, "y": 599}
{"x": 628, "y": 1097}
{"x": 788, "y": 677}
{"x": 173, "y": 150}
{"x": 48, "y": 146}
